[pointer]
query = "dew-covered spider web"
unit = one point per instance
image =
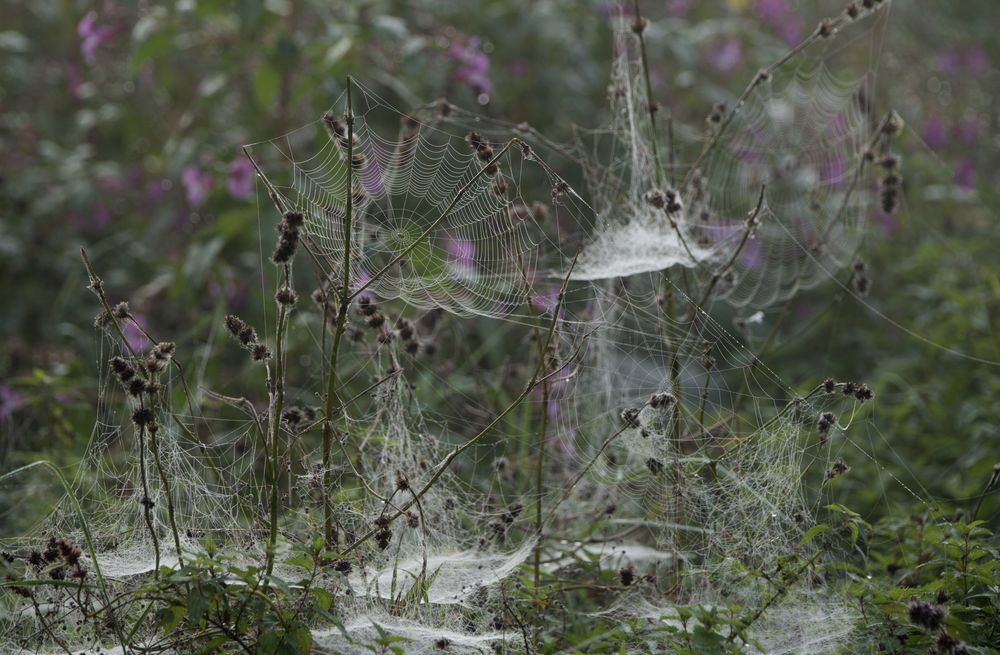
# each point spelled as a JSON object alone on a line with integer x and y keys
{"x": 653, "y": 421}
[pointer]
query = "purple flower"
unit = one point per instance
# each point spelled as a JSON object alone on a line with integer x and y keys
{"x": 136, "y": 339}
{"x": 197, "y": 185}
{"x": 362, "y": 278}
{"x": 887, "y": 223}
{"x": 239, "y": 178}
{"x": 781, "y": 18}
{"x": 726, "y": 57}
{"x": 833, "y": 171}
{"x": 10, "y": 401}
{"x": 935, "y": 133}
{"x": 472, "y": 64}
{"x": 950, "y": 62}
{"x": 965, "y": 173}
{"x": 547, "y": 301}
{"x": 772, "y": 10}
{"x": 678, "y": 8}
{"x": 462, "y": 255}
{"x": 967, "y": 131}
{"x": 977, "y": 62}
{"x": 93, "y": 36}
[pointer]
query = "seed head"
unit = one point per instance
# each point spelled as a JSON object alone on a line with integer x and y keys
{"x": 286, "y": 296}
{"x": 143, "y": 416}
{"x": 925, "y": 615}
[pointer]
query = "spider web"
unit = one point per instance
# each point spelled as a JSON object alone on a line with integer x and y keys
{"x": 694, "y": 478}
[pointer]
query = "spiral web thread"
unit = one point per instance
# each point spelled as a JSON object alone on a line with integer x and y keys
{"x": 615, "y": 347}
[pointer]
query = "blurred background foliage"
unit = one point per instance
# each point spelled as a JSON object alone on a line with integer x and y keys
{"x": 121, "y": 125}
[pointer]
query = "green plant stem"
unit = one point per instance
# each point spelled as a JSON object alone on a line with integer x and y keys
{"x": 332, "y": 397}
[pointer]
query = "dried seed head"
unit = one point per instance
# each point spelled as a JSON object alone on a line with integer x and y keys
{"x": 143, "y": 416}
{"x": 260, "y": 352}
{"x": 286, "y": 296}
{"x": 630, "y": 417}
{"x": 925, "y": 615}
{"x": 838, "y": 469}
{"x": 661, "y": 400}
{"x": 826, "y": 421}
{"x": 121, "y": 311}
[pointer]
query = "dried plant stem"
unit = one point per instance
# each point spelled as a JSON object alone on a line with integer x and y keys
{"x": 147, "y": 509}
{"x": 650, "y": 105}
{"x": 332, "y": 399}
{"x": 165, "y": 481}
{"x": 747, "y": 233}
{"x": 277, "y": 392}
{"x": 539, "y": 471}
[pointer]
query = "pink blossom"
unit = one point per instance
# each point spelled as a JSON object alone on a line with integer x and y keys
{"x": 361, "y": 278}
{"x": 887, "y": 223}
{"x": 935, "y": 133}
{"x": 462, "y": 255}
{"x": 781, "y": 18}
{"x": 197, "y": 185}
{"x": 965, "y": 173}
{"x": 10, "y": 401}
{"x": 967, "y": 131}
{"x": 977, "y": 62}
{"x": 546, "y": 301}
{"x": 136, "y": 339}
{"x": 678, "y": 8}
{"x": 950, "y": 62}
{"x": 239, "y": 178}
{"x": 726, "y": 57}
{"x": 473, "y": 65}
{"x": 93, "y": 36}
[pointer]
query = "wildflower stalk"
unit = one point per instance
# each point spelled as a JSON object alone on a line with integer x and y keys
{"x": 345, "y": 298}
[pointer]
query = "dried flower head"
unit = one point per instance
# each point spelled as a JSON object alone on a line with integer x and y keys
{"x": 925, "y": 615}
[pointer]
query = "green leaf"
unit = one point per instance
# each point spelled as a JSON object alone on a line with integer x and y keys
{"x": 265, "y": 86}
{"x": 170, "y": 617}
{"x": 197, "y": 605}
{"x": 814, "y": 532}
